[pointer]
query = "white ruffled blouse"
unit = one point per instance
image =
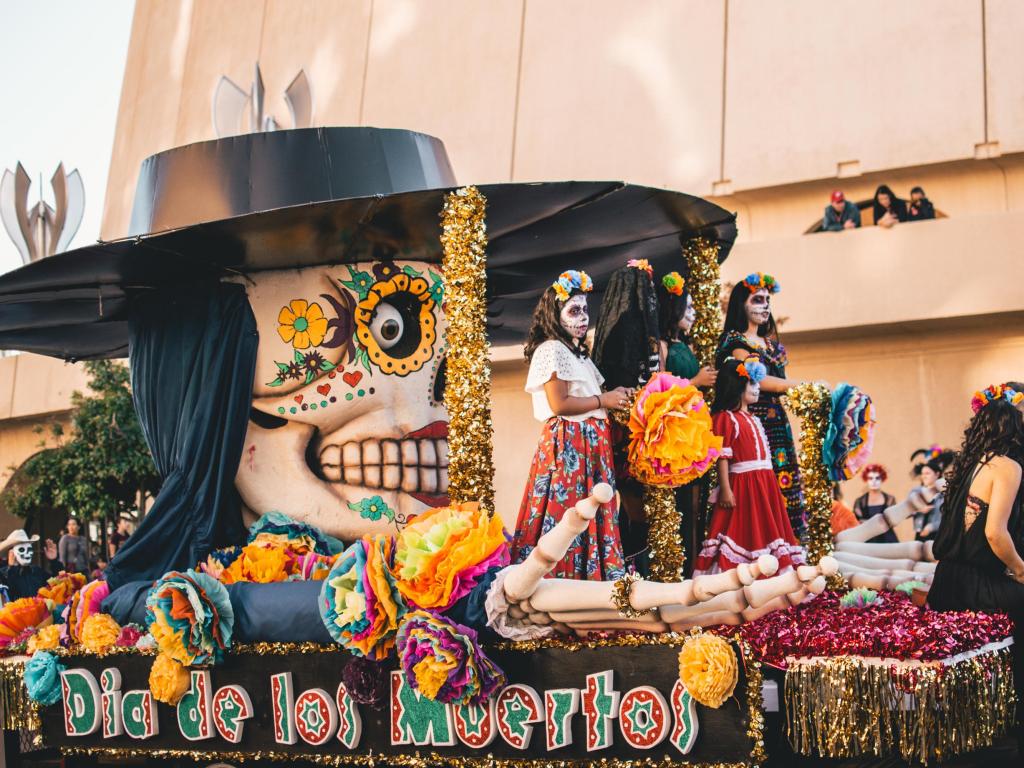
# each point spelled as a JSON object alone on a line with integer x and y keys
{"x": 582, "y": 376}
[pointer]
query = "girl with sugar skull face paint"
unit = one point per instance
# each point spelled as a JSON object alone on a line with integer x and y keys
{"x": 575, "y": 450}
{"x": 750, "y": 330}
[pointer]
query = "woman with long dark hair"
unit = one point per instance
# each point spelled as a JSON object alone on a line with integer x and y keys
{"x": 574, "y": 453}
{"x": 888, "y": 209}
{"x": 626, "y": 354}
{"x": 676, "y": 317}
{"x": 750, "y": 330}
{"x": 979, "y": 545}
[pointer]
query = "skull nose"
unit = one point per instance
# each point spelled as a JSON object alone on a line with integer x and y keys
{"x": 440, "y": 381}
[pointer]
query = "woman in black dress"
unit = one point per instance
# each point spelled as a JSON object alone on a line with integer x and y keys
{"x": 750, "y": 330}
{"x": 979, "y": 546}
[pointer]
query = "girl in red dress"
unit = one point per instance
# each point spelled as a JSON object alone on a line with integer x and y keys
{"x": 749, "y": 519}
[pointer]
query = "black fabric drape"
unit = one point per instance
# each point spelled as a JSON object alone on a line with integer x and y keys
{"x": 193, "y": 357}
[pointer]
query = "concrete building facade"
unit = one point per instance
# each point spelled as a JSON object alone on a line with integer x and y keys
{"x": 764, "y": 106}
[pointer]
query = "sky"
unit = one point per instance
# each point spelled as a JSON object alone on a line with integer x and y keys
{"x": 61, "y": 66}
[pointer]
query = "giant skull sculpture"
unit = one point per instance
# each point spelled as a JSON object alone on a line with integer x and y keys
{"x": 348, "y": 431}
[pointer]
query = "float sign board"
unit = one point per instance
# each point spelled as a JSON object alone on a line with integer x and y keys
{"x": 558, "y": 704}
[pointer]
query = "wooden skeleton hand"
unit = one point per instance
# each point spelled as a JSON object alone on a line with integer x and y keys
{"x": 581, "y": 607}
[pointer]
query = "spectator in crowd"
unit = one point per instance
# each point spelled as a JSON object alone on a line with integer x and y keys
{"x": 840, "y": 214}
{"x": 99, "y": 565}
{"x": 73, "y": 548}
{"x": 889, "y": 209}
{"x": 921, "y": 207}
{"x": 120, "y": 535}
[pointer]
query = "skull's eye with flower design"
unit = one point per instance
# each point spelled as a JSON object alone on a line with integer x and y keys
{"x": 395, "y": 324}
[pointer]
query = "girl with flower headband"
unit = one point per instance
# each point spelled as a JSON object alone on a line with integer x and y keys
{"x": 749, "y": 518}
{"x": 750, "y": 329}
{"x": 574, "y": 453}
{"x": 980, "y": 545}
{"x": 676, "y": 316}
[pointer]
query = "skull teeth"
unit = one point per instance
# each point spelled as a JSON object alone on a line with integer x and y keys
{"x": 412, "y": 466}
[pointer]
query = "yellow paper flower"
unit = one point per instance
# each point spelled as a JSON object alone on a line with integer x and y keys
{"x": 671, "y": 436}
{"x": 46, "y": 639}
{"x": 99, "y": 632}
{"x": 302, "y": 324}
{"x": 259, "y": 563}
{"x": 708, "y": 669}
{"x": 431, "y": 674}
{"x": 168, "y": 680}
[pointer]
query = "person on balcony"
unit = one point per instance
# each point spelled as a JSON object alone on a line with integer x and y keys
{"x": 920, "y": 207}
{"x": 840, "y": 214}
{"x": 889, "y": 209}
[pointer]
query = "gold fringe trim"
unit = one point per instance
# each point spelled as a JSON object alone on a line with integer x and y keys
{"x": 19, "y": 711}
{"x": 425, "y": 760}
{"x": 847, "y": 707}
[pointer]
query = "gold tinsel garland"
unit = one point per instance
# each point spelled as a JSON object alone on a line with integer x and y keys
{"x": 667, "y": 555}
{"x": 848, "y": 706}
{"x": 812, "y": 403}
{"x": 666, "y": 545}
{"x": 468, "y": 391}
{"x": 705, "y": 286}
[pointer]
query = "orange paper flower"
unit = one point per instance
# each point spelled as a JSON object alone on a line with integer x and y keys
{"x": 61, "y": 587}
{"x": 671, "y": 439}
{"x": 19, "y": 615}
{"x": 441, "y": 553}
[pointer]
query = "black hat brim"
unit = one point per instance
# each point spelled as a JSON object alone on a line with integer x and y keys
{"x": 75, "y": 305}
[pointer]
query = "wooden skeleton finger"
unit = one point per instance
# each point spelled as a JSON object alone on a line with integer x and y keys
{"x": 876, "y": 563}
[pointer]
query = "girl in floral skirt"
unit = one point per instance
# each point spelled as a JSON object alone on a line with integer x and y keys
{"x": 574, "y": 453}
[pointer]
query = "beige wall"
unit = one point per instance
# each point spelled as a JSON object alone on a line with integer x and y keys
{"x": 705, "y": 96}
{"x": 34, "y": 390}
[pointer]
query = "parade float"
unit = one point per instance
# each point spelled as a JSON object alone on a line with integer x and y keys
{"x": 323, "y": 577}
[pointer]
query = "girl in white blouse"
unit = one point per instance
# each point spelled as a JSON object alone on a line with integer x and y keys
{"x": 574, "y": 453}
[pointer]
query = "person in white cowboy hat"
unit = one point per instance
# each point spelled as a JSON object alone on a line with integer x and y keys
{"x": 20, "y": 576}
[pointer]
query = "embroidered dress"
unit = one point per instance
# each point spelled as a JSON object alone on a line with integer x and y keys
{"x": 758, "y": 524}
{"x": 573, "y": 455}
{"x": 773, "y": 416}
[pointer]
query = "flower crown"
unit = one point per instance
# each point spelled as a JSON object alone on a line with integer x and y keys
{"x": 755, "y": 281}
{"x": 752, "y": 369}
{"x": 643, "y": 264}
{"x": 572, "y": 280}
{"x": 993, "y": 393}
{"x": 674, "y": 283}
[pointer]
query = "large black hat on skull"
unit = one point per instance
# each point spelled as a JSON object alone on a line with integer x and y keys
{"x": 211, "y": 217}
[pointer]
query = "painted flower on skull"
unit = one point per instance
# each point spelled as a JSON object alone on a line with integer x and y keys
{"x": 373, "y": 508}
{"x": 303, "y": 324}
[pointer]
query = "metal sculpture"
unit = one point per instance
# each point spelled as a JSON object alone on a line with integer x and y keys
{"x": 236, "y": 110}
{"x": 41, "y": 230}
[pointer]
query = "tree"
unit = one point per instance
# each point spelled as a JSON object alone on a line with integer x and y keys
{"x": 103, "y": 468}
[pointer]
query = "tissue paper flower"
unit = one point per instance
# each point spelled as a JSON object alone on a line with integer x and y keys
{"x": 190, "y": 616}
{"x": 442, "y": 660}
{"x": 443, "y": 552}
